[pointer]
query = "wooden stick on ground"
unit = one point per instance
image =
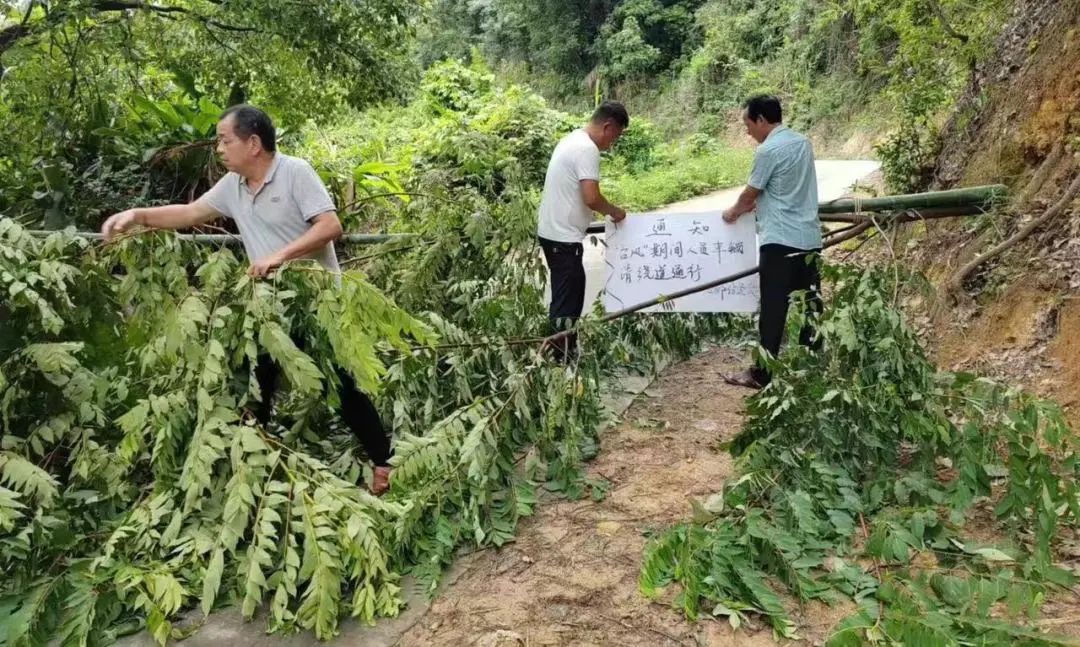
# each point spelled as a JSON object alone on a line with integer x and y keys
{"x": 956, "y": 284}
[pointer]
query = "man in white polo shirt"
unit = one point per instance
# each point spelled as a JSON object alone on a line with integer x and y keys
{"x": 283, "y": 212}
{"x": 571, "y": 196}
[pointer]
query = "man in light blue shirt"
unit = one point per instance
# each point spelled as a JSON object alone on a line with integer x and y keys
{"x": 783, "y": 191}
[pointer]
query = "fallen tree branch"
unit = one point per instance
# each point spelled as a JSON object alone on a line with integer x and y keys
{"x": 833, "y": 239}
{"x": 956, "y": 284}
{"x": 839, "y": 236}
{"x": 12, "y": 35}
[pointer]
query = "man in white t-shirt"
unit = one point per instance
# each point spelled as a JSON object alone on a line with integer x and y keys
{"x": 571, "y": 196}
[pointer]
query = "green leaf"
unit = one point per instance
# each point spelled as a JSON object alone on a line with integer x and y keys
{"x": 80, "y": 612}
{"x": 28, "y": 478}
{"x": 212, "y": 580}
{"x": 301, "y": 372}
{"x": 993, "y": 555}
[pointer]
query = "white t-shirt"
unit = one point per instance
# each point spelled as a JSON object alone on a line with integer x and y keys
{"x": 564, "y": 217}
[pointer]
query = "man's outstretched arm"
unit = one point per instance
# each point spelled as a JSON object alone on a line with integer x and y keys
{"x": 173, "y": 216}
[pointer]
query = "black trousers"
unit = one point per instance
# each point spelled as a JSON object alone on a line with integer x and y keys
{"x": 564, "y": 260}
{"x": 357, "y": 410}
{"x": 785, "y": 270}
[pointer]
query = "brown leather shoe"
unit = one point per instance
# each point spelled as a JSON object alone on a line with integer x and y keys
{"x": 380, "y": 480}
{"x": 744, "y": 378}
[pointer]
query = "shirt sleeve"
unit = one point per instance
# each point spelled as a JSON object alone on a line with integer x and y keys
{"x": 587, "y": 164}
{"x": 762, "y": 169}
{"x": 217, "y": 198}
{"x": 310, "y": 193}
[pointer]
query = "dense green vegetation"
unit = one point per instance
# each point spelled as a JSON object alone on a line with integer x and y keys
{"x": 897, "y": 66}
{"x": 689, "y": 169}
{"x": 858, "y": 471}
{"x": 107, "y": 104}
{"x": 91, "y": 87}
{"x": 133, "y": 486}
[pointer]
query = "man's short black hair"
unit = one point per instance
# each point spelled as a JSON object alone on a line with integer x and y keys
{"x": 764, "y": 105}
{"x": 611, "y": 111}
{"x": 249, "y": 120}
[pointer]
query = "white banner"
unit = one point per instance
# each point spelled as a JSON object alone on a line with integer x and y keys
{"x": 649, "y": 255}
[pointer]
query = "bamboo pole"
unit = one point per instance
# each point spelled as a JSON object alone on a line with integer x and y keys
{"x": 984, "y": 197}
{"x": 595, "y": 228}
{"x": 230, "y": 239}
{"x": 934, "y": 204}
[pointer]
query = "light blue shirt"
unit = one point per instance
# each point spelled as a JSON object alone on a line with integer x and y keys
{"x": 787, "y": 209}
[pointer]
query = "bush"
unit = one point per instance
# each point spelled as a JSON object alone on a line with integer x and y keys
{"x": 463, "y": 135}
{"x": 636, "y": 149}
{"x": 908, "y": 156}
{"x": 909, "y": 153}
{"x": 627, "y": 53}
{"x": 501, "y": 133}
{"x": 451, "y": 86}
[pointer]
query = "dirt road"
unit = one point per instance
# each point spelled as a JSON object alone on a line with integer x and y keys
{"x": 570, "y": 578}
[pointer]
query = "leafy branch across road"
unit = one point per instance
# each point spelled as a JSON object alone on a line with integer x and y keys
{"x": 134, "y": 487}
{"x": 858, "y": 468}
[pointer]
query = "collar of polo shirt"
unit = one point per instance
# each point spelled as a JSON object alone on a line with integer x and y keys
{"x": 774, "y": 131}
{"x": 269, "y": 174}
